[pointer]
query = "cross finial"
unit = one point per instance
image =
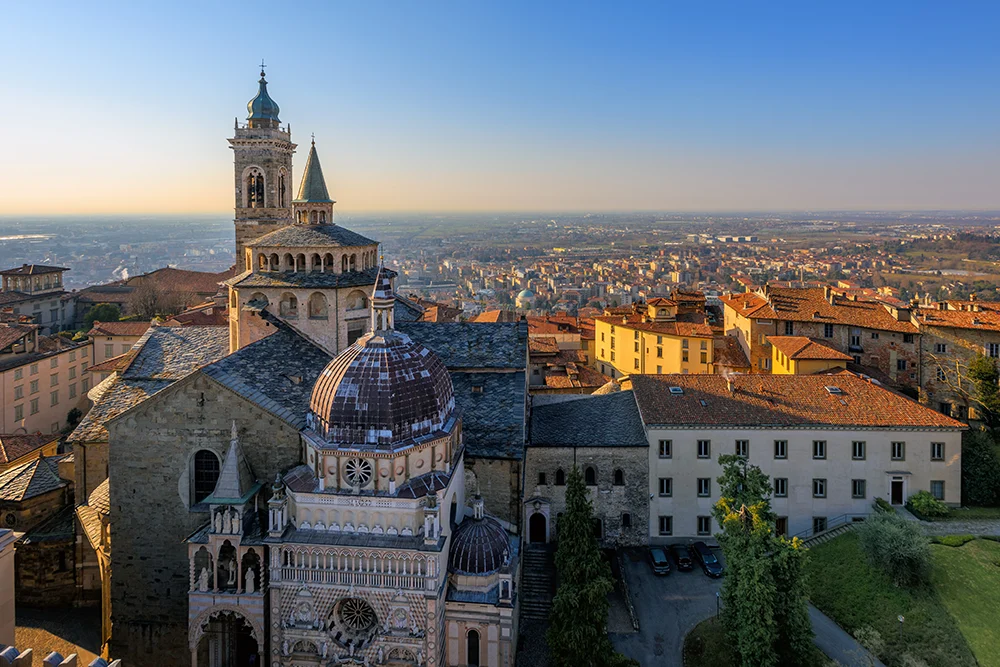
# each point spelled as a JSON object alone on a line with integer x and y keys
{"x": 262, "y": 66}
{"x": 314, "y": 138}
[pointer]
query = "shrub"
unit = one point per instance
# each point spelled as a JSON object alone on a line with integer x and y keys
{"x": 895, "y": 546}
{"x": 882, "y": 505}
{"x": 953, "y": 540}
{"x": 924, "y": 504}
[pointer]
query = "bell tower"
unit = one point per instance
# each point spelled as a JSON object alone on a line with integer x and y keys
{"x": 262, "y": 151}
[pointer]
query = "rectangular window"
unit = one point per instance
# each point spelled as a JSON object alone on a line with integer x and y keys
{"x": 765, "y": 364}
{"x": 742, "y": 448}
{"x": 940, "y": 374}
{"x": 857, "y": 488}
{"x": 781, "y": 525}
{"x": 34, "y": 386}
{"x": 602, "y": 336}
{"x": 34, "y": 406}
{"x": 659, "y": 370}
{"x": 666, "y": 449}
{"x": 993, "y": 350}
{"x": 72, "y": 390}
{"x": 19, "y": 391}
{"x": 940, "y": 348}
{"x": 789, "y": 328}
{"x": 109, "y": 350}
{"x": 18, "y": 413}
{"x": 666, "y": 525}
{"x": 85, "y": 385}
{"x": 704, "y": 344}
{"x": 126, "y": 348}
{"x": 54, "y": 380}
{"x": 635, "y": 334}
{"x": 54, "y": 397}
{"x": 704, "y": 487}
{"x": 937, "y": 488}
{"x": 704, "y": 449}
{"x": 819, "y": 524}
{"x": 907, "y": 338}
{"x": 541, "y": 479}
{"x": 659, "y": 353}
{"x": 635, "y": 364}
{"x": 858, "y": 450}
{"x": 780, "y": 487}
{"x": 684, "y": 356}
{"x": 54, "y": 362}
{"x": 72, "y": 355}
{"x": 898, "y": 451}
{"x": 72, "y": 372}
{"x": 704, "y": 357}
{"x": 856, "y": 340}
{"x": 637, "y": 347}
{"x": 626, "y": 520}
{"x": 819, "y": 488}
{"x": 900, "y": 364}
{"x": 781, "y": 449}
{"x": 83, "y": 353}
{"x": 18, "y": 373}
{"x": 34, "y": 369}
{"x": 666, "y": 487}
{"x": 612, "y": 355}
{"x": 874, "y": 335}
{"x": 937, "y": 451}
{"x": 819, "y": 449}
{"x": 828, "y": 331}
{"x": 704, "y": 525}
{"x": 684, "y": 344}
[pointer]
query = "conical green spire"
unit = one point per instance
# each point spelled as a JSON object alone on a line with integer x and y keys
{"x": 313, "y": 186}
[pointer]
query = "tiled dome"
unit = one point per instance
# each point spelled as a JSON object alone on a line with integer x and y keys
{"x": 383, "y": 391}
{"x": 479, "y": 546}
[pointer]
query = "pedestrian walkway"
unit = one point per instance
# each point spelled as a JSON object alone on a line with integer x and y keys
{"x": 837, "y": 644}
{"x": 975, "y": 527}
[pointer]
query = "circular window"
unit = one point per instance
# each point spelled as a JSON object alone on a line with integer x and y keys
{"x": 357, "y": 615}
{"x": 359, "y": 472}
{"x": 10, "y": 519}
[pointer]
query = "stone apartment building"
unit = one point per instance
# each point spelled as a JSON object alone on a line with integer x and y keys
{"x": 830, "y": 443}
{"x": 42, "y": 379}
{"x": 952, "y": 334}
{"x": 880, "y": 339}
{"x": 36, "y": 291}
{"x": 659, "y": 336}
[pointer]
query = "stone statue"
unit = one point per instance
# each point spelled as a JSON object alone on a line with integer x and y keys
{"x": 420, "y": 658}
{"x": 291, "y": 619}
{"x": 251, "y": 578}
{"x": 381, "y": 656}
{"x": 203, "y": 580}
{"x": 218, "y": 522}
{"x": 284, "y": 647}
{"x": 233, "y": 569}
{"x": 323, "y": 649}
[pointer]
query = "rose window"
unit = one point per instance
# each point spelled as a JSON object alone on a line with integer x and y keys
{"x": 357, "y": 615}
{"x": 359, "y": 472}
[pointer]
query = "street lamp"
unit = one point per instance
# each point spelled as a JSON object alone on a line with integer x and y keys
{"x": 900, "y": 619}
{"x": 717, "y": 601}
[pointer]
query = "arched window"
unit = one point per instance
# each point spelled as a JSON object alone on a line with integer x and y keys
{"x": 262, "y": 262}
{"x": 204, "y": 474}
{"x": 287, "y": 262}
{"x": 282, "y": 202}
{"x": 328, "y": 262}
{"x": 315, "y": 262}
{"x": 472, "y": 655}
{"x": 619, "y": 477}
{"x": 300, "y": 262}
{"x": 560, "y": 477}
{"x": 258, "y": 299}
{"x": 354, "y": 263}
{"x": 356, "y": 300}
{"x": 626, "y": 520}
{"x": 289, "y": 305}
{"x": 322, "y": 217}
{"x": 275, "y": 262}
{"x": 317, "y": 307}
{"x": 590, "y": 476}
{"x": 255, "y": 189}
{"x": 232, "y": 298}
{"x": 343, "y": 262}
{"x": 312, "y": 217}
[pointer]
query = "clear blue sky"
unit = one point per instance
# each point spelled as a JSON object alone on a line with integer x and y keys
{"x": 115, "y": 107}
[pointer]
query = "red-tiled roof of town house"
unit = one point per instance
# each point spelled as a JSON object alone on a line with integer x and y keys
{"x": 575, "y": 376}
{"x": 728, "y": 353}
{"x": 15, "y": 445}
{"x": 973, "y": 305}
{"x": 170, "y": 279}
{"x": 661, "y": 301}
{"x": 118, "y": 328}
{"x": 748, "y": 305}
{"x": 987, "y": 320}
{"x": 203, "y": 315}
{"x": 802, "y": 348}
{"x": 692, "y": 325}
{"x": 811, "y": 305}
{"x": 545, "y": 345}
{"x": 844, "y": 400}
{"x": 492, "y": 316}
{"x": 683, "y": 297}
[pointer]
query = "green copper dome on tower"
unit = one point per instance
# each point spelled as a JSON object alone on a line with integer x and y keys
{"x": 313, "y": 187}
{"x": 262, "y": 107}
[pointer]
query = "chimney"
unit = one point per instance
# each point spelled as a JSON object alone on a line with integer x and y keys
{"x": 827, "y": 291}
{"x": 729, "y": 384}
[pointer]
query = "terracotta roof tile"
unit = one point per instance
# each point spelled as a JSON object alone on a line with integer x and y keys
{"x": 14, "y": 446}
{"x": 692, "y": 325}
{"x": 988, "y": 320}
{"x": 118, "y": 328}
{"x": 802, "y": 348}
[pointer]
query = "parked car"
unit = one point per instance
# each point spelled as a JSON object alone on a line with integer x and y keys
{"x": 706, "y": 557}
{"x": 682, "y": 556}
{"x": 658, "y": 560}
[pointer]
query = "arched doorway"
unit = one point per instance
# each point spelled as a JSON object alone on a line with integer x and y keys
{"x": 472, "y": 657}
{"x": 227, "y": 641}
{"x": 536, "y": 528}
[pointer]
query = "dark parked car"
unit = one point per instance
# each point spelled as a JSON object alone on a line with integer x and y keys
{"x": 659, "y": 561}
{"x": 682, "y": 556}
{"x": 708, "y": 560}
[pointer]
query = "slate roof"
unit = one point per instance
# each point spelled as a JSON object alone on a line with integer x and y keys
{"x": 780, "y": 401}
{"x": 10, "y": 296}
{"x": 492, "y": 417}
{"x": 91, "y": 514}
{"x": 606, "y": 420}
{"x": 31, "y": 479}
{"x": 472, "y": 344}
{"x": 61, "y": 526}
{"x": 15, "y": 445}
{"x": 170, "y": 353}
{"x": 276, "y": 373}
{"x": 413, "y": 542}
{"x": 119, "y": 395}
{"x": 405, "y": 310}
{"x": 305, "y": 280}
{"x": 311, "y": 236}
{"x": 479, "y": 546}
{"x": 313, "y": 185}
{"x": 802, "y": 348}
{"x": 32, "y": 270}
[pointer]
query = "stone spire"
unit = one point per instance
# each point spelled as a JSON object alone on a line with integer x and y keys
{"x": 313, "y": 205}
{"x": 236, "y": 479}
{"x": 383, "y": 301}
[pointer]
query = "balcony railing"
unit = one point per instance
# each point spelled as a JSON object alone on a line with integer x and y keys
{"x": 348, "y": 578}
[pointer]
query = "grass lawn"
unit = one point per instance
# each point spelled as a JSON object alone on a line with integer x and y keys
{"x": 852, "y": 593}
{"x": 707, "y": 646}
{"x": 967, "y": 580}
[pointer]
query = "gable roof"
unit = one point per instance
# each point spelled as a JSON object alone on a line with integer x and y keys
{"x": 34, "y": 478}
{"x": 32, "y": 270}
{"x": 801, "y": 348}
{"x": 15, "y": 445}
{"x": 811, "y": 304}
{"x": 780, "y": 401}
{"x": 605, "y": 420}
{"x": 170, "y": 353}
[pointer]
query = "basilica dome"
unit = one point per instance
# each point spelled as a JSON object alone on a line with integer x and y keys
{"x": 382, "y": 393}
{"x": 479, "y": 545}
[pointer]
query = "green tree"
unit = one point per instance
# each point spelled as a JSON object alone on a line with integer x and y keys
{"x": 985, "y": 378}
{"x": 980, "y": 468}
{"x": 764, "y": 591}
{"x": 578, "y": 634}
{"x": 102, "y": 312}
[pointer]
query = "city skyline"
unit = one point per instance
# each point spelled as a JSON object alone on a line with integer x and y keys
{"x": 476, "y": 108}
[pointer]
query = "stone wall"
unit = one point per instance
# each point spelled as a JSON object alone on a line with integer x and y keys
{"x": 247, "y": 231}
{"x": 91, "y": 467}
{"x": 150, "y": 516}
{"x": 610, "y": 501}
{"x": 24, "y": 515}
{"x": 46, "y": 572}
{"x": 499, "y": 482}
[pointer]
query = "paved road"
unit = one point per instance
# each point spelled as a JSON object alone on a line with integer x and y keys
{"x": 669, "y": 607}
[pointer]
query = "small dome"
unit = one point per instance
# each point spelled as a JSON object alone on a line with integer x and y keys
{"x": 262, "y": 107}
{"x": 526, "y": 294}
{"x": 382, "y": 390}
{"x": 479, "y": 546}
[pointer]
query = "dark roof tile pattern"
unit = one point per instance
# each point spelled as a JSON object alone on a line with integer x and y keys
{"x": 170, "y": 353}
{"x": 61, "y": 526}
{"x": 781, "y": 401}
{"x": 606, "y": 420}
{"x": 728, "y": 353}
{"x": 15, "y": 445}
{"x": 472, "y": 344}
{"x": 415, "y": 542}
{"x": 312, "y": 236}
{"x": 305, "y": 280}
{"x": 32, "y": 479}
{"x": 32, "y": 270}
{"x": 119, "y": 395}
{"x": 118, "y": 328}
{"x": 479, "y": 546}
{"x": 493, "y": 409}
{"x": 801, "y": 348}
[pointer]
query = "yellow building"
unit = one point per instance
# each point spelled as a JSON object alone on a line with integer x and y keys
{"x": 654, "y": 338}
{"x": 798, "y": 355}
